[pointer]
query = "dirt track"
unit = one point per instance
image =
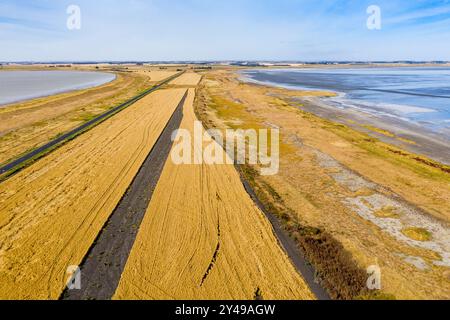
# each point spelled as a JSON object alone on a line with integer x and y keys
{"x": 52, "y": 211}
{"x": 103, "y": 266}
{"x": 203, "y": 238}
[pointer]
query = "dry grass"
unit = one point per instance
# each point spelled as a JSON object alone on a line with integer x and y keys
{"x": 314, "y": 194}
{"x": 204, "y": 238}
{"x": 30, "y": 124}
{"x": 187, "y": 79}
{"x": 340, "y": 275}
{"x": 387, "y": 212}
{"x": 154, "y": 76}
{"x": 51, "y": 212}
{"x": 418, "y": 234}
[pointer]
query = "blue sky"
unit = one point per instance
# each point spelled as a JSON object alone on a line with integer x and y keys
{"x": 224, "y": 30}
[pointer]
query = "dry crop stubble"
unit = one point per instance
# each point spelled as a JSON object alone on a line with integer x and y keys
{"x": 154, "y": 76}
{"x": 28, "y": 125}
{"x": 187, "y": 79}
{"x": 204, "y": 238}
{"x": 323, "y": 163}
{"x": 51, "y": 212}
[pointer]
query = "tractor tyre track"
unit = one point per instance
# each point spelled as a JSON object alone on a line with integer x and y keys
{"x": 102, "y": 267}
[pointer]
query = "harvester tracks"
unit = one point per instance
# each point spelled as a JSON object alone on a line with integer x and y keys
{"x": 102, "y": 267}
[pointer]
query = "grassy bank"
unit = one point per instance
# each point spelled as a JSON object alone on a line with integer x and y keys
{"x": 336, "y": 270}
{"x": 311, "y": 199}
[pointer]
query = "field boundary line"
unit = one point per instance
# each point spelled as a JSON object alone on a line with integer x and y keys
{"x": 104, "y": 262}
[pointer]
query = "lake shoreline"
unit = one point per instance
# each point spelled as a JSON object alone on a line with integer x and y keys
{"x": 67, "y": 88}
{"x": 393, "y": 130}
{"x": 403, "y": 134}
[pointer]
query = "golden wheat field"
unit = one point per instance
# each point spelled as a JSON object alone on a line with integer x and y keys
{"x": 51, "y": 212}
{"x": 204, "y": 238}
{"x": 154, "y": 76}
{"x": 28, "y": 125}
{"x": 187, "y": 79}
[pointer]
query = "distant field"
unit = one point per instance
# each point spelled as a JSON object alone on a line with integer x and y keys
{"x": 204, "y": 238}
{"x": 187, "y": 79}
{"x": 30, "y": 124}
{"x": 51, "y": 212}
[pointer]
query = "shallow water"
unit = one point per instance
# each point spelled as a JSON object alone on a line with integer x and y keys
{"x": 18, "y": 86}
{"x": 419, "y": 95}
